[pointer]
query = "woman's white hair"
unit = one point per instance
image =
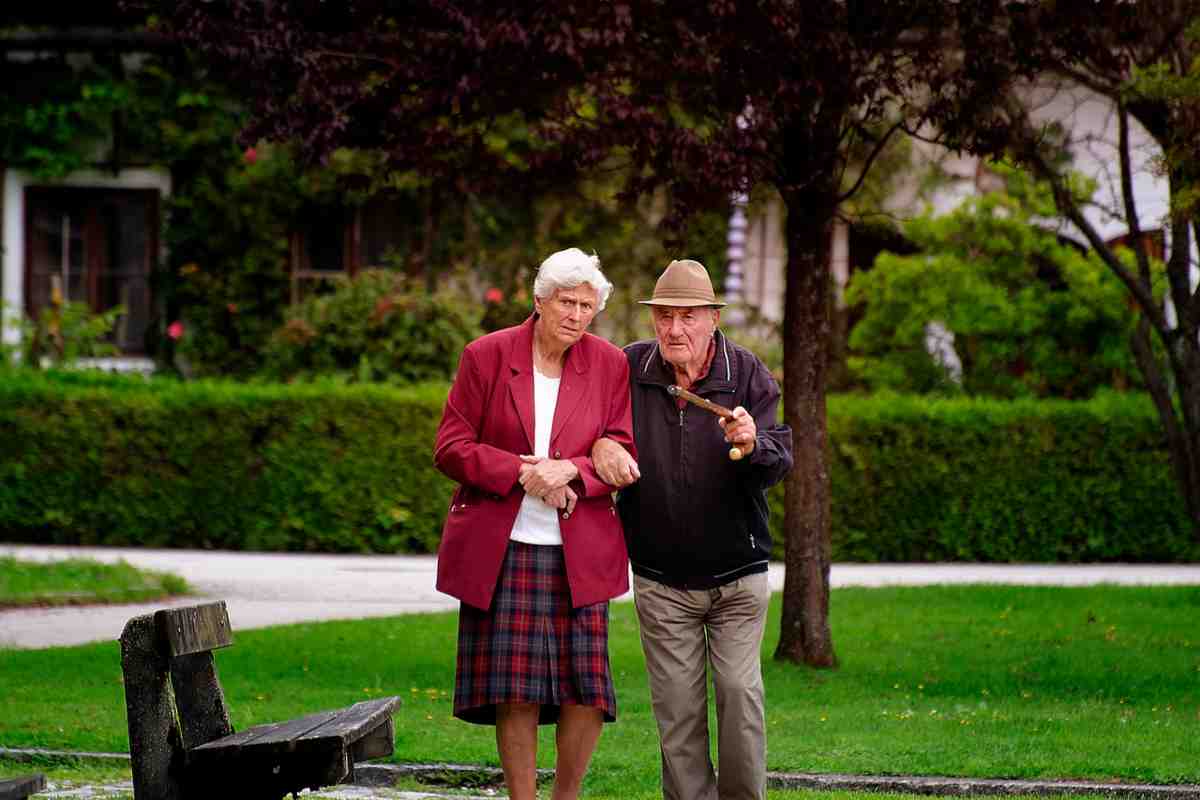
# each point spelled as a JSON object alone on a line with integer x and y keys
{"x": 569, "y": 268}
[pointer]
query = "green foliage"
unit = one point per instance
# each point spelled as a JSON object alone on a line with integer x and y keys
{"x": 228, "y": 222}
{"x": 77, "y": 580}
{"x": 66, "y": 332}
{"x": 1030, "y": 315}
{"x": 1173, "y": 85}
{"x": 56, "y": 121}
{"x": 372, "y": 328}
{"x": 103, "y": 459}
{"x": 231, "y": 211}
{"x": 924, "y": 480}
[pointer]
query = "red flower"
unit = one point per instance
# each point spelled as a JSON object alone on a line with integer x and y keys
{"x": 250, "y": 156}
{"x": 175, "y": 329}
{"x": 493, "y": 295}
{"x": 231, "y": 308}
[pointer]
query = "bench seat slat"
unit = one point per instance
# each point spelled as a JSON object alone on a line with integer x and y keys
{"x": 351, "y": 723}
{"x": 327, "y": 730}
{"x": 275, "y": 736}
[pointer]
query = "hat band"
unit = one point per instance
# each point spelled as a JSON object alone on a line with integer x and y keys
{"x": 684, "y": 293}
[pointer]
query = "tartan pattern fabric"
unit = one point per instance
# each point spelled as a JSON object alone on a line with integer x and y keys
{"x": 531, "y": 646}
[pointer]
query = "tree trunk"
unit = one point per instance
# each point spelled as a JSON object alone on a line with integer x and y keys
{"x": 804, "y": 631}
{"x": 1185, "y": 448}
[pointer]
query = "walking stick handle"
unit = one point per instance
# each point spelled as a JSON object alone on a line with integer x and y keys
{"x": 735, "y": 453}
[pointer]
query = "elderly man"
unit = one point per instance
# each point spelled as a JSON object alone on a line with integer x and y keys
{"x": 696, "y": 526}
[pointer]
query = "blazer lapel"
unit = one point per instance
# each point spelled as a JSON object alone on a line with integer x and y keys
{"x": 520, "y": 385}
{"x": 571, "y": 390}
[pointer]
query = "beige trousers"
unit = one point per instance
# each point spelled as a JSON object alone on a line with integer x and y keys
{"x": 683, "y": 632}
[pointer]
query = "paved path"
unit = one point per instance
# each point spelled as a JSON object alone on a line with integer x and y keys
{"x": 264, "y": 589}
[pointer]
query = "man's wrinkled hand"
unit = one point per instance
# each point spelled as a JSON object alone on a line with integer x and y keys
{"x": 741, "y": 431}
{"x": 540, "y": 476}
{"x": 613, "y": 463}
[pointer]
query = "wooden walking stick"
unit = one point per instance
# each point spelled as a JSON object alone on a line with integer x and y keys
{"x": 735, "y": 453}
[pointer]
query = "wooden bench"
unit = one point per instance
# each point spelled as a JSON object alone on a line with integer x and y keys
{"x": 181, "y": 743}
{"x": 20, "y": 788}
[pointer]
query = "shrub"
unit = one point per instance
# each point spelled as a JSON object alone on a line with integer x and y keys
{"x": 925, "y": 480}
{"x": 61, "y": 334}
{"x": 93, "y": 458}
{"x": 1021, "y": 312}
{"x": 122, "y": 461}
{"x": 371, "y": 329}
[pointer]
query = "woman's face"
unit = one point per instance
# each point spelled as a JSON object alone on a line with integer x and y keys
{"x": 566, "y": 314}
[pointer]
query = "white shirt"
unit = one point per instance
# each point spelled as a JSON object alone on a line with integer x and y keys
{"x": 537, "y": 523}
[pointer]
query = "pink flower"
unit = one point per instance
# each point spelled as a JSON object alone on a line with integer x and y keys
{"x": 493, "y": 295}
{"x": 175, "y": 329}
{"x": 250, "y": 156}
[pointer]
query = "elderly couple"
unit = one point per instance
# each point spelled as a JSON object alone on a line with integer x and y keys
{"x": 544, "y": 421}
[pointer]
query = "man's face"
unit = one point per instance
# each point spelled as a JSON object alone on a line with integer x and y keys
{"x": 684, "y": 332}
{"x": 566, "y": 314}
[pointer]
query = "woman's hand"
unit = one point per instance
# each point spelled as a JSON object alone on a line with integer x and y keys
{"x": 540, "y": 476}
{"x": 563, "y": 498}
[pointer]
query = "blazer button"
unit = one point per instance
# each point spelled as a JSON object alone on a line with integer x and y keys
{"x": 566, "y": 515}
{"x": 558, "y": 454}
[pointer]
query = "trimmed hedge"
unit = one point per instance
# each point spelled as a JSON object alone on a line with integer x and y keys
{"x": 94, "y": 459}
{"x": 916, "y": 479}
{"x": 115, "y": 461}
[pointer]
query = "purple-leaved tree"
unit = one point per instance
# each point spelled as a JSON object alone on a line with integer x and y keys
{"x": 702, "y": 99}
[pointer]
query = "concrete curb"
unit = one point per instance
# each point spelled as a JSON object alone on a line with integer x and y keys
{"x": 979, "y": 787}
{"x": 386, "y": 775}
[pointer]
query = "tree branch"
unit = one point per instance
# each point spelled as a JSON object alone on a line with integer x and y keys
{"x": 862, "y": 175}
{"x": 1131, "y": 215}
{"x": 1067, "y": 206}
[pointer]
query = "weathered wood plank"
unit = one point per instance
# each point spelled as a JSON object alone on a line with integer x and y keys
{"x": 273, "y": 737}
{"x": 376, "y": 743}
{"x": 21, "y": 787}
{"x": 199, "y": 699}
{"x": 149, "y": 711}
{"x": 194, "y": 629}
{"x": 351, "y": 723}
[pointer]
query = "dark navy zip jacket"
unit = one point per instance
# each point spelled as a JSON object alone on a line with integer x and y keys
{"x": 697, "y": 519}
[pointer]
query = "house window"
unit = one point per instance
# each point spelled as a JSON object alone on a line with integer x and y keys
{"x": 97, "y": 246}
{"x": 344, "y": 241}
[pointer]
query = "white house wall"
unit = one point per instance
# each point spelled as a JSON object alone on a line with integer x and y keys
{"x": 1090, "y": 121}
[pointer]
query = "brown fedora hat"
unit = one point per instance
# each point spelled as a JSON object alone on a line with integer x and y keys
{"x": 684, "y": 283}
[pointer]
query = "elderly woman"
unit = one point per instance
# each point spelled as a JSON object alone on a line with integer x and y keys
{"x": 532, "y": 545}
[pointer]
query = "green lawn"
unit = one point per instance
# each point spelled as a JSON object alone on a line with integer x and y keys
{"x": 75, "y": 581}
{"x": 985, "y": 681}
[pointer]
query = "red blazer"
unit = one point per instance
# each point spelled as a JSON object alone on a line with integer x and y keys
{"x": 488, "y": 423}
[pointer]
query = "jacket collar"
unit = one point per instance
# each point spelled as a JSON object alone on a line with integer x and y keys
{"x": 722, "y": 375}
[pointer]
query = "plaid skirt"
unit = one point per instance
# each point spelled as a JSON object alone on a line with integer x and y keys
{"x": 531, "y": 646}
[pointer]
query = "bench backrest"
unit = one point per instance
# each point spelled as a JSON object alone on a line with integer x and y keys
{"x": 194, "y": 629}
{"x": 169, "y": 674}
